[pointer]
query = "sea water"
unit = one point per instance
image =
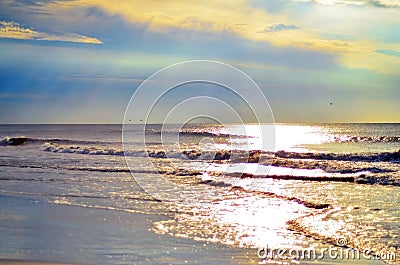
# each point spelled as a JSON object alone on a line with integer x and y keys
{"x": 317, "y": 186}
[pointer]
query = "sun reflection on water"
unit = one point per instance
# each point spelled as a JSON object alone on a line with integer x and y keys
{"x": 279, "y": 136}
{"x": 239, "y": 219}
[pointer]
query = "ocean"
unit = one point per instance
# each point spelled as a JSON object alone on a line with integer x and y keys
{"x": 309, "y": 186}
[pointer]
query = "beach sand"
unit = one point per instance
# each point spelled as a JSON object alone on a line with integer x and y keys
{"x": 36, "y": 232}
{"x": 27, "y": 262}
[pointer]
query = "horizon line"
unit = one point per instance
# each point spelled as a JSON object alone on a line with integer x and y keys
{"x": 249, "y": 123}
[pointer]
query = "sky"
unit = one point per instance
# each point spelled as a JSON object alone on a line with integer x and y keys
{"x": 80, "y": 61}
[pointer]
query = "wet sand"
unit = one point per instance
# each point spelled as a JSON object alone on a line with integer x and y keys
{"x": 34, "y": 232}
{"x": 27, "y": 262}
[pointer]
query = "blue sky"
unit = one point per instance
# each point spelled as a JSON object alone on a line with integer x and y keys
{"x": 80, "y": 61}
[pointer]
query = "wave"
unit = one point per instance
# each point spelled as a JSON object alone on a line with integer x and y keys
{"x": 382, "y": 180}
{"x": 292, "y": 177}
{"x": 321, "y": 226}
{"x": 215, "y": 183}
{"x": 236, "y": 189}
{"x": 53, "y": 147}
{"x": 359, "y": 179}
{"x": 287, "y": 198}
{"x": 176, "y": 172}
{"x": 390, "y": 180}
{"x": 14, "y": 140}
{"x": 370, "y": 157}
{"x": 258, "y": 156}
{"x": 203, "y": 133}
{"x": 234, "y": 156}
{"x": 194, "y": 131}
{"x": 185, "y": 154}
{"x": 333, "y": 138}
{"x": 331, "y": 166}
{"x": 373, "y": 139}
{"x": 90, "y": 150}
{"x": 22, "y": 140}
{"x": 77, "y": 168}
{"x": 211, "y": 134}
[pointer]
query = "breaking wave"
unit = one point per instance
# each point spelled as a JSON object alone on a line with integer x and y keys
{"x": 235, "y": 156}
{"x": 91, "y": 150}
{"x": 370, "y": 157}
{"x": 77, "y": 168}
{"x": 359, "y": 179}
{"x": 374, "y": 139}
{"x": 194, "y": 132}
{"x": 85, "y": 150}
{"x": 14, "y": 140}
{"x": 22, "y": 140}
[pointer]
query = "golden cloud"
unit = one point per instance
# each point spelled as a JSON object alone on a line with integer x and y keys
{"x": 235, "y": 16}
{"x": 13, "y": 30}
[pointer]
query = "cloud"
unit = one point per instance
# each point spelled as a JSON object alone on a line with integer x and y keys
{"x": 239, "y": 17}
{"x": 13, "y": 30}
{"x": 384, "y": 3}
{"x": 389, "y": 52}
{"x": 376, "y": 3}
{"x": 280, "y": 27}
{"x": 210, "y": 21}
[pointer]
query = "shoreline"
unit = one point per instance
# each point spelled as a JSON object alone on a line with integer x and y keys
{"x": 41, "y": 233}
